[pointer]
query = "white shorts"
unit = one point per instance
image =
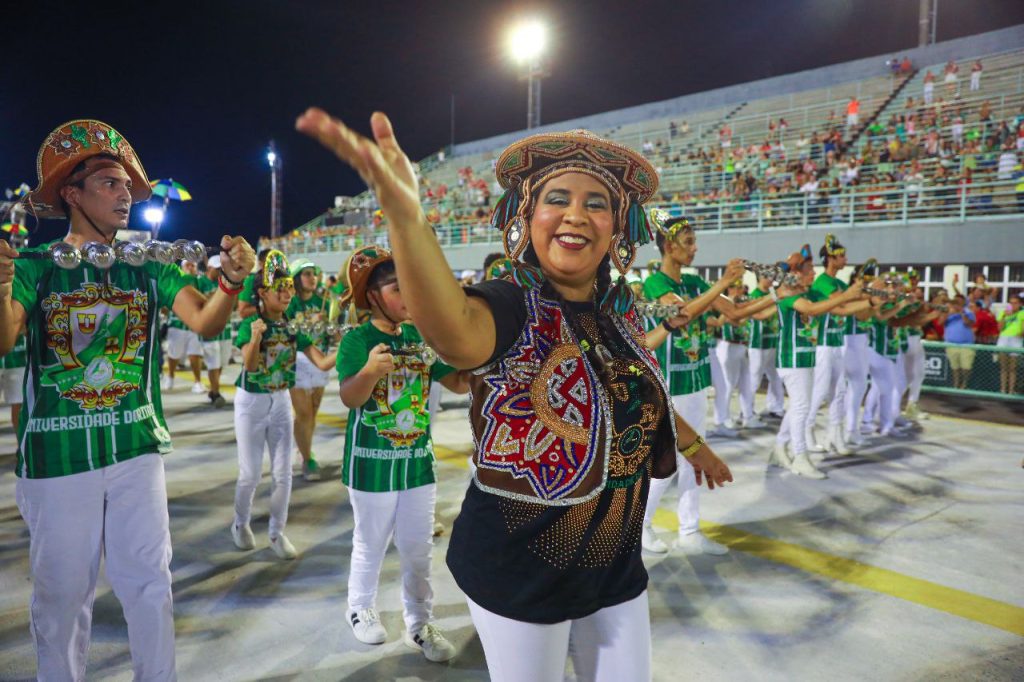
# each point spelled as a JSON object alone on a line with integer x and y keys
{"x": 308, "y": 375}
{"x": 217, "y": 354}
{"x": 1003, "y": 341}
{"x": 10, "y": 386}
{"x": 182, "y": 342}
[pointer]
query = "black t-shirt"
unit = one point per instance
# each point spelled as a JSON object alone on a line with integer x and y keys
{"x": 542, "y": 564}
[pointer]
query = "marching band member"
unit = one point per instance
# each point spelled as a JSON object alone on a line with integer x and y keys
{"x": 216, "y": 349}
{"x": 182, "y": 342}
{"x": 763, "y": 338}
{"x": 731, "y": 351}
{"x": 90, "y": 472}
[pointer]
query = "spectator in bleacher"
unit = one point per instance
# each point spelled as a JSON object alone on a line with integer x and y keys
{"x": 852, "y": 112}
{"x": 951, "y": 78}
{"x": 976, "y": 75}
{"x": 1011, "y": 335}
{"x": 905, "y": 66}
{"x": 725, "y": 136}
{"x": 929, "y": 86}
{"x": 986, "y": 329}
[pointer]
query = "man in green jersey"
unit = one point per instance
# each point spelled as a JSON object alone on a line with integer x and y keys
{"x": 182, "y": 342}
{"x": 685, "y": 362}
{"x": 90, "y": 476}
{"x": 763, "y": 340}
{"x": 388, "y": 461}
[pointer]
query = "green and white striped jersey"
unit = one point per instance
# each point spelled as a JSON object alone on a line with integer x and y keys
{"x": 797, "y": 333}
{"x": 299, "y": 310}
{"x": 684, "y": 356}
{"x": 884, "y": 339}
{"x": 275, "y": 370}
{"x": 831, "y": 327}
{"x": 763, "y": 333}
{"x": 387, "y": 439}
{"x": 92, "y": 387}
{"x": 735, "y": 333}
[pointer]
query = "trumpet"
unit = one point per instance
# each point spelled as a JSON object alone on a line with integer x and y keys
{"x": 104, "y": 256}
{"x": 662, "y": 310}
{"x": 775, "y": 272}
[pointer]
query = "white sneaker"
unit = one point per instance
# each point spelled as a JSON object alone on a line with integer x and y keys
{"x": 854, "y": 439}
{"x": 651, "y": 542}
{"x": 902, "y": 421}
{"x": 695, "y": 543}
{"x": 812, "y": 441}
{"x": 836, "y": 441}
{"x": 166, "y": 383}
{"x": 198, "y": 388}
{"x": 779, "y": 457}
{"x": 894, "y": 432}
{"x": 282, "y": 547}
{"x": 366, "y": 626}
{"x": 243, "y": 537}
{"x": 867, "y": 429}
{"x": 754, "y": 423}
{"x": 723, "y": 431}
{"x": 432, "y": 642}
{"x": 802, "y": 466}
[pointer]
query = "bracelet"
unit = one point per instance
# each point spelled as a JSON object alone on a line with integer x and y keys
{"x": 693, "y": 448}
{"x": 237, "y": 289}
{"x": 230, "y": 281}
{"x": 669, "y": 328}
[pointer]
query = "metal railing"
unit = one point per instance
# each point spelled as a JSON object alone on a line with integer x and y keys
{"x": 847, "y": 208}
{"x": 986, "y": 370}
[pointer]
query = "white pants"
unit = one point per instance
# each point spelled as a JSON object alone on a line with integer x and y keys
{"x": 216, "y": 354}
{"x": 119, "y": 512}
{"x": 182, "y": 342}
{"x": 736, "y": 375}
{"x": 307, "y": 375}
{"x": 721, "y": 403}
{"x": 900, "y": 385}
{"x": 883, "y": 379}
{"x": 855, "y": 362}
{"x": 799, "y": 383}
{"x": 829, "y": 385}
{"x": 408, "y": 515}
{"x": 762, "y": 363}
{"x": 610, "y": 645}
{"x": 976, "y": 80}
{"x": 11, "y": 381}
{"x": 913, "y": 365}
{"x": 435, "y": 397}
{"x": 264, "y": 420}
{"x": 693, "y": 408}
{"x": 929, "y": 92}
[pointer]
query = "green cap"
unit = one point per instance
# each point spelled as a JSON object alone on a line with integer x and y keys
{"x": 302, "y": 265}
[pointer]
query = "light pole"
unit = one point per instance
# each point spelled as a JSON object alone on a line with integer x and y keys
{"x": 274, "y": 161}
{"x": 526, "y": 43}
{"x": 154, "y": 215}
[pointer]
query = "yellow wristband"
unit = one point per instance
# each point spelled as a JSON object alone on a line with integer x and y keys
{"x": 693, "y": 448}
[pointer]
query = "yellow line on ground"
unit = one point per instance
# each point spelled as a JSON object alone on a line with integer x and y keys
{"x": 939, "y": 597}
{"x": 932, "y": 595}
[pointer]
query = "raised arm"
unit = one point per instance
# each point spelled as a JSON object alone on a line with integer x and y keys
{"x": 459, "y": 327}
{"x": 806, "y": 307}
{"x": 207, "y": 316}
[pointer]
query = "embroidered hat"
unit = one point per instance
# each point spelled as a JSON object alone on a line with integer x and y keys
{"x": 358, "y": 268}
{"x": 499, "y": 269}
{"x": 832, "y": 247}
{"x": 69, "y": 145}
{"x": 276, "y": 275}
{"x": 528, "y": 163}
{"x": 669, "y": 226}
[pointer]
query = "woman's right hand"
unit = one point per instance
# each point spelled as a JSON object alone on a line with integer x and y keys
{"x": 380, "y": 162}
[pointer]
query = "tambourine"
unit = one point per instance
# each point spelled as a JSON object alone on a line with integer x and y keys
{"x": 104, "y": 256}
{"x": 315, "y": 328}
{"x": 868, "y": 271}
{"x": 654, "y": 309}
{"x": 886, "y": 294}
{"x": 776, "y": 272}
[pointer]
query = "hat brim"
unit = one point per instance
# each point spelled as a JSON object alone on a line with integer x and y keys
{"x": 533, "y": 154}
{"x": 69, "y": 145}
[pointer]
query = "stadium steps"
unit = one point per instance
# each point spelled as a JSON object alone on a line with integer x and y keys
{"x": 879, "y": 111}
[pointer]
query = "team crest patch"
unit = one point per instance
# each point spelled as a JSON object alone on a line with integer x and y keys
{"x": 98, "y": 333}
{"x": 402, "y": 399}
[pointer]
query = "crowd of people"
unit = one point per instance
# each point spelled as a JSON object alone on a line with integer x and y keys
{"x": 589, "y": 395}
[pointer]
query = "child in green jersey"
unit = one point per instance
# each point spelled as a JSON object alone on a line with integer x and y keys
{"x": 263, "y": 406}
{"x": 388, "y": 462}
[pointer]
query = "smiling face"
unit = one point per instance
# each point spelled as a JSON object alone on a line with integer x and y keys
{"x": 105, "y": 197}
{"x": 571, "y": 228}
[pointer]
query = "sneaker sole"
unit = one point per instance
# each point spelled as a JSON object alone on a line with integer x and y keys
{"x": 413, "y": 645}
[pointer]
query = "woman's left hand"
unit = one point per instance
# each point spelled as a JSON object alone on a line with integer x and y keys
{"x": 707, "y": 466}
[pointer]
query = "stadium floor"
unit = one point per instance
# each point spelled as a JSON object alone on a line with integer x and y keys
{"x": 905, "y": 564}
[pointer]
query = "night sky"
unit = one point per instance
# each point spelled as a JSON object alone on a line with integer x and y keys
{"x": 199, "y": 88}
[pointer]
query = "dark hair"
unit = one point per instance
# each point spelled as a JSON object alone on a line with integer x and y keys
{"x": 381, "y": 275}
{"x": 606, "y": 326}
{"x": 659, "y": 239}
{"x": 491, "y": 257}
